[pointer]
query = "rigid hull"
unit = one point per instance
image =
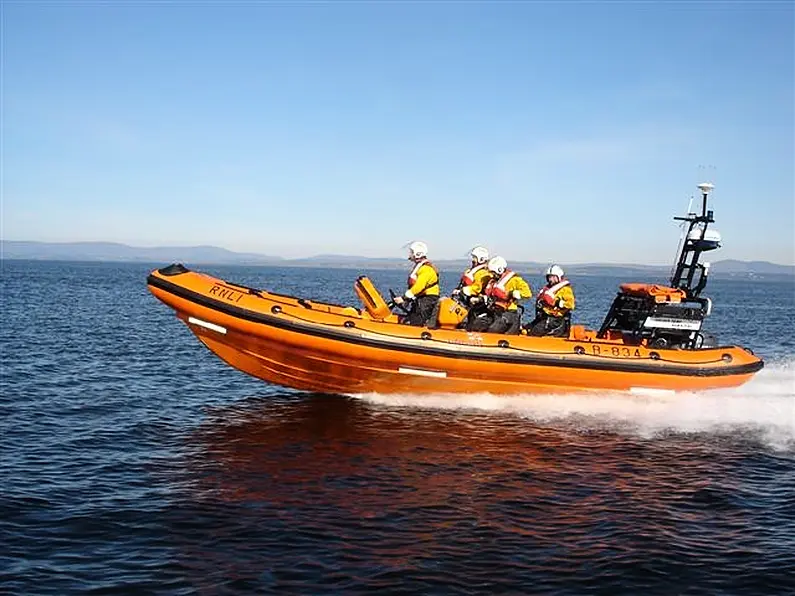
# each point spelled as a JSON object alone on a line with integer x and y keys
{"x": 329, "y": 348}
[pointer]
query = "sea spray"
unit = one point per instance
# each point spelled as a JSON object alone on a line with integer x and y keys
{"x": 763, "y": 408}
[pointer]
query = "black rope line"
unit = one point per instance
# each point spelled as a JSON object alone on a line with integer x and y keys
{"x": 509, "y": 346}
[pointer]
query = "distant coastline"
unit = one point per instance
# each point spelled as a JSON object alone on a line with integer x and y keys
{"x": 213, "y": 255}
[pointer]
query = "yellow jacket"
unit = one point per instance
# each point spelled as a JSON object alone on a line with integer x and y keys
{"x": 503, "y": 290}
{"x": 480, "y": 278}
{"x": 423, "y": 280}
{"x": 563, "y": 297}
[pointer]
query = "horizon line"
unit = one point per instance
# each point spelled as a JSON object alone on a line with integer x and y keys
{"x": 352, "y": 256}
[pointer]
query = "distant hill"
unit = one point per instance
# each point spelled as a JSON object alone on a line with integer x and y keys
{"x": 112, "y": 251}
{"x": 731, "y": 266}
{"x": 201, "y": 255}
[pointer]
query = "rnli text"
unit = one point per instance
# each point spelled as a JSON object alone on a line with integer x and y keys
{"x": 226, "y": 293}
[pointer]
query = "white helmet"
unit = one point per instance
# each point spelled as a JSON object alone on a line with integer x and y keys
{"x": 479, "y": 254}
{"x": 498, "y": 265}
{"x": 417, "y": 250}
{"x": 555, "y": 270}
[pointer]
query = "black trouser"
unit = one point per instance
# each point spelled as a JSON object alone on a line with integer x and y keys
{"x": 420, "y": 310}
{"x": 506, "y": 321}
{"x": 547, "y": 325}
{"x": 433, "y": 318}
{"x": 479, "y": 319}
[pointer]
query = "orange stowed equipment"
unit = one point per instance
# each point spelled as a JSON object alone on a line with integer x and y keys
{"x": 659, "y": 293}
{"x": 451, "y": 313}
{"x": 373, "y": 302}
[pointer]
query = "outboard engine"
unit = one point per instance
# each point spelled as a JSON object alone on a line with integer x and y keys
{"x": 671, "y": 316}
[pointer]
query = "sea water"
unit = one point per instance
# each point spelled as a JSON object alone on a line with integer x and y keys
{"x": 135, "y": 461}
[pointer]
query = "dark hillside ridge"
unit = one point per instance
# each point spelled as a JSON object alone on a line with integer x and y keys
{"x": 199, "y": 255}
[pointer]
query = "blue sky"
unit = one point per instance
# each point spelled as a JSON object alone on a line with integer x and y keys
{"x": 565, "y": 131}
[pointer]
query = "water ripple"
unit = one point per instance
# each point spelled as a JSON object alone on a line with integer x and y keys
{"x": 136, "y": 462}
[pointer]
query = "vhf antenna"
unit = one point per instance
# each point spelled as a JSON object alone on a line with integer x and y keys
{"x": 695, "y": 242}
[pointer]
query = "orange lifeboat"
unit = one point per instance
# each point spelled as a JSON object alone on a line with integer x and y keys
{"x": 651, "y": 338}
{"x": 330, "y": 348}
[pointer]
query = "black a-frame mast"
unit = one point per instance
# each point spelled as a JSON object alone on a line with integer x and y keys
{"x": 696, "y": 240}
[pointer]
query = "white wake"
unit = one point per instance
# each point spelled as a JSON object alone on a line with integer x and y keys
{"x": 765, "y": 406}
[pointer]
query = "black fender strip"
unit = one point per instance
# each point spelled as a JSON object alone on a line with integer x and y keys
{"x": 344, "y": 335}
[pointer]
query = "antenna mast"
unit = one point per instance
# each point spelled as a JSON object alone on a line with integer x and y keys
{"x": 696, "y": 241}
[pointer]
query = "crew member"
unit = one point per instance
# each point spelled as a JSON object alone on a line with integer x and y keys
{"x": 502, "y": 294}
{"x": 553, "y": 306}
{"x": 423, "y": 286}
{"x": 463, "y": 294}
{"x": 478, "y": 272}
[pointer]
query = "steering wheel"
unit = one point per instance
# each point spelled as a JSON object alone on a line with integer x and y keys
{"x": 393, "y": 304}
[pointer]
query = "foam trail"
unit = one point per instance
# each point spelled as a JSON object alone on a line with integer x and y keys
{"x": 765, "y": 405}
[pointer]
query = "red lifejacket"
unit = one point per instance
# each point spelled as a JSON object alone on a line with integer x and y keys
{"x": 468, "y": 277}
{"x": 547, "y": 297}
{"x": 496, "y": 290}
